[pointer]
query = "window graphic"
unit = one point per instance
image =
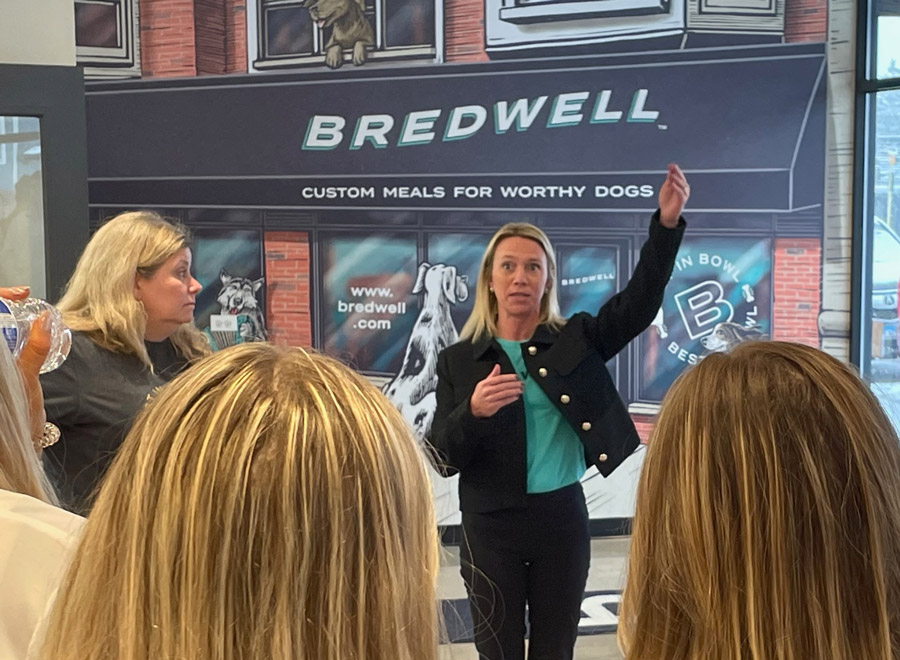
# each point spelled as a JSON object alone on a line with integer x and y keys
{"x": 538, "y": 11}
{"x": 335, "y": 32}
{"x": 588, "y": 278}
{"x": 739, "y": 7}
{"x": 718, "y": 297}
{"x": 106, "y": 37}
{"x": 464, "y": 252}
{"x": 231, "y": 307}
{"x": 368, "y": 307}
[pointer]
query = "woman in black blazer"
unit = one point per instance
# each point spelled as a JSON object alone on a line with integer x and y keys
{"x": 524, "y": 404}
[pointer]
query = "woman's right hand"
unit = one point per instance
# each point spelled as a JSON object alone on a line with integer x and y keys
{"x": 494, "y": 392}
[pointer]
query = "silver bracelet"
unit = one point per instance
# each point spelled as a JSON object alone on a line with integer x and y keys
{"x": 50, "y": 436}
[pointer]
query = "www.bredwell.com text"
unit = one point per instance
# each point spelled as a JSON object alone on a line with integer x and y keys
{"x": 370, "y": 315}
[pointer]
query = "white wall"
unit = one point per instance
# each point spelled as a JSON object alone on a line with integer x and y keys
{"x": 37, "y": 32}
{"x": 834, "y": 319}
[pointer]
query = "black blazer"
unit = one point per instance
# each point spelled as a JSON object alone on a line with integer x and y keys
{"x": 570, "y": 366}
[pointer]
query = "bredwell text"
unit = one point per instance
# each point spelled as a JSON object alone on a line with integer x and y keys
{"x": 326, "y": 132}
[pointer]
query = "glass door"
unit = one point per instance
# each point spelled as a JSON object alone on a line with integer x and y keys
{"x": 22, "y": 259}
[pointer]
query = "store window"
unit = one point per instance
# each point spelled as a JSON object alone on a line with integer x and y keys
{"x": 878, "y": 204}
{"x": 463, "y": 252}
{"x": 719, "y": 296}
{"x": 368, "y": 305}
{"x": 588, "y": 277}
{"x": 231, "y": 307}
{"x": 291, "y": 33}
{"x": 106, "y": 38}
{"x": 22, "y": 203}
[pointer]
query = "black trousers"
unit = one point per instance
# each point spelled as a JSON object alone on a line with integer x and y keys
{"x": 538, "y": 555}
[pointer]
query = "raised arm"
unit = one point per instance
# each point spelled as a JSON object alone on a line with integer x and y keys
{"x": 673, "y": 195}
{"x": 630, "y": 312}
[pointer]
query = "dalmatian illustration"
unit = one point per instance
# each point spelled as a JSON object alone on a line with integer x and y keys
{"x": 413, "y": 389}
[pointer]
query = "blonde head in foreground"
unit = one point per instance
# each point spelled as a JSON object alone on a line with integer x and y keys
{"x": 99, "y": 298}
{"x": 20, "y": 466}
{"x": 767, "y": 521}
{"x": 269, "y": 503}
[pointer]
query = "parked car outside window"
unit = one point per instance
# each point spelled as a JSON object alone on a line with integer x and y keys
{"x": 885, "y": 272}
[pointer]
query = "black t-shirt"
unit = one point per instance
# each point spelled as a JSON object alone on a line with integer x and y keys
{"x": 94, "y": 398}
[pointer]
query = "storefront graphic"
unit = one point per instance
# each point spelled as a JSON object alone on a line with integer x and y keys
{"x": 372, "y": 193}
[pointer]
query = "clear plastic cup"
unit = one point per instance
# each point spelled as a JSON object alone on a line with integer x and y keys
{"x": 16, "y": 317}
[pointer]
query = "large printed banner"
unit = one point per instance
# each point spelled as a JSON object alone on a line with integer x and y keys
{"x": 370, "y": 195}
{"x": 580, "y": 135}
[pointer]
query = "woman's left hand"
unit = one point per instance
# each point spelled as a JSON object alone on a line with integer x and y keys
{"x": 673, "y": 195}
{"x": 31, "y": 359}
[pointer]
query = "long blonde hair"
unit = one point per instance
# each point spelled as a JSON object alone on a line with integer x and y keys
{"x": 268, "y": 503}
{"x": 767, "y": 522}
{"x": 20, "y": 467}
{"x": 99, "y": 298}
{"x": 482, "y": 322}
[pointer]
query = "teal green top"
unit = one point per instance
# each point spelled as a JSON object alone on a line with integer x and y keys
{"x": 553, "y": 453}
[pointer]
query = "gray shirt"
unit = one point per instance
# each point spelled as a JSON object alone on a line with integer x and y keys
{"x": 93, "y": 398}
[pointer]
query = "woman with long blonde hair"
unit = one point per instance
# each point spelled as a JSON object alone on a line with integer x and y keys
{"x": 525, "y": 404}
{"x": 22, "y": 413}
{"x": 268, "y": 503}
{"x": 130, "y": 304}
{"x": 34, "y": 533}
{"x": 767, "y": 521}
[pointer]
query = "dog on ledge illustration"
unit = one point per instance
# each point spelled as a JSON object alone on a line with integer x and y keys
{"x": 350, "y": 30}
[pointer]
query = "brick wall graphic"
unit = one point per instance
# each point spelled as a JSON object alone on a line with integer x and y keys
{"x": 184, "y": 38}
{"x": 287, "y": 288}
{"x": 797, "y": 290}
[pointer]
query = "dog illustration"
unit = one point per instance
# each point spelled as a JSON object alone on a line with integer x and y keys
{"x": 350, "y": 29}
{"x": 412, "y": 390}
{"x": 726, "y": 336}
{"x": 238, "y": 298}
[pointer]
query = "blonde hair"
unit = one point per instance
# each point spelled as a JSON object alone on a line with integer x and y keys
{"x": 99, "y": 298}
{"x": 482, "y": 322}
{"x": 20, "y": 467}
{"x": 268, "y": 503}
{"x": 767, "y": 522}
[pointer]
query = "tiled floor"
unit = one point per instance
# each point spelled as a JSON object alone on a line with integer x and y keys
{"x": 607, "y": 572}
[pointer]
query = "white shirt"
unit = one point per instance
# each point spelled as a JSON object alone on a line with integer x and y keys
{"x": 36, "y": 540}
